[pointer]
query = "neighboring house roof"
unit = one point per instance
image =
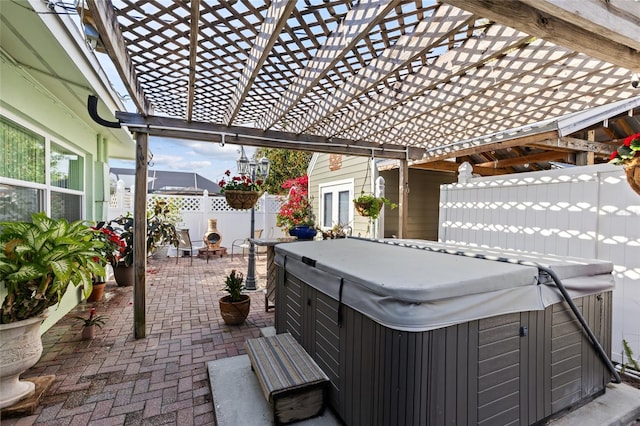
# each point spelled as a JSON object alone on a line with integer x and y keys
{"x": 166, "y": 182}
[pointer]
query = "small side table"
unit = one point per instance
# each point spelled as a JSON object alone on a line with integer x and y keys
{"x": 207, "y": 252}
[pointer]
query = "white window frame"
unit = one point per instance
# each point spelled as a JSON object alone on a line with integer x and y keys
{"x": 335, "y": 187}
{"x": 47, "y": 187}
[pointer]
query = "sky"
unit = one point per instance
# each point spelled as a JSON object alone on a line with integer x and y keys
{"x": 208, "y": 159}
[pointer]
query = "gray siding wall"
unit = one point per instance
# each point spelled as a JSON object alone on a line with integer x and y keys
{"x": 352, "y": 168}
{"x": 424, "y": 202}
{"x": 480, "y": 372}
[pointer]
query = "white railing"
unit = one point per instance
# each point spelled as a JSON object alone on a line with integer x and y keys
{"x": 588, "y": 212}
{"x": 197, "y": 210}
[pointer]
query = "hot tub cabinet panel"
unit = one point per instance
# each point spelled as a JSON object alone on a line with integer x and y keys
{"x": 512, "y": 368}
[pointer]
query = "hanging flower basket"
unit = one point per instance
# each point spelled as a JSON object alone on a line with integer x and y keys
{"x": 241, "y": 200}
{"x": 632, "y": 170}
{"x": 368, "y": 205}
{"x": 367, "y": 208}
{"x": 628, "y": 155}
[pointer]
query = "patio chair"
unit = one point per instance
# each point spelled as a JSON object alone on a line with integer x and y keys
{"x": 184, "y": 244}
{"x": 243, "y": 243}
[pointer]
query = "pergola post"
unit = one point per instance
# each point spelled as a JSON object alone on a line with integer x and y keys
{"x": 403, "y": 198}
{"x": 140, "y": 236}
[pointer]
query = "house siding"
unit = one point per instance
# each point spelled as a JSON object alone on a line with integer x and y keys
{"x": 27, "y": 102}
{"x": 352, "y": 168}
{"x": 424, "y": 200}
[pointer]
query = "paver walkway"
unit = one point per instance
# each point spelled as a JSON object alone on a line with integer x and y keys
{"x": 161, "y": 379}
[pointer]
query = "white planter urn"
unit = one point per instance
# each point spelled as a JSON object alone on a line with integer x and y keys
{"x": 20, "y": 349}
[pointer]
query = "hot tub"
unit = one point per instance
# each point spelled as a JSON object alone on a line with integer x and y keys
{"x": 412, "y": 336}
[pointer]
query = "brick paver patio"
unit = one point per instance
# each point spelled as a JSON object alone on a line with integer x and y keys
{"x": 115, "y": 379}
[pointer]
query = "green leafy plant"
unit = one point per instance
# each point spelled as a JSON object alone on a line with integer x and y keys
{"x": 369, "y": 205}
{"x": 160, "y": 230}
{"x": 123, "y": 227}
{"x": 93, "y": 319}
{"x": 38, "y": 261}
{"x": 631, "y": 363}
{"x": 161, "y": 223}
{"x": 234, "y": 285}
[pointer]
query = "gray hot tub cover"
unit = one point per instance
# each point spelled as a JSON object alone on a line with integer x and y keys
{"x": 418, "y": 289}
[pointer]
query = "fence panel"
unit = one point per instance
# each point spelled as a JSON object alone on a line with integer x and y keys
{"x": 585, "y": 212}
{"x": 197, "y": 210}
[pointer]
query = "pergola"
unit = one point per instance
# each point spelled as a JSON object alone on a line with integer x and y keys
{"x": 414, "y": 80}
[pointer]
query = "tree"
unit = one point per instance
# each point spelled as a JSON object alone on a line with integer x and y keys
{"x": 285, "y": 164}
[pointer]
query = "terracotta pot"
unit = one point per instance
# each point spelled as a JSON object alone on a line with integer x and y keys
{"x": 20, "y": 350}
{"x": 241, "y": 200}
{"x": 124, "y": 275}
{"x": 97, "y": 292}
{"x": 235, "y": 313}
{"x": 88, "y": 332}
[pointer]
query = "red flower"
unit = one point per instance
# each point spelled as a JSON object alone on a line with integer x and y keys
{"x": 614, "y": 154}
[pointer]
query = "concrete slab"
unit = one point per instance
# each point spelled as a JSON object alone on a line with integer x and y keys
{"x": 619, "y": 406}
{"x": 268, "y": 331}
{"x": 238, "y": 399}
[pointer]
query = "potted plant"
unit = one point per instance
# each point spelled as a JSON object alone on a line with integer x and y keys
{"x": 628, "y": 155}
{"x": 161, "y": 227}
{"x": 38, "y": 261}
{"x": 122, "y": 261}
{"x": 296, "y": 213}
{"x": 241, "y": 192}
{"x": 112, "y": 246}
{"x": 369, "y": 205}
{"x": 159, "y": 231}
{"x": 90, "y": 323}
{"x": 234, "y": 307}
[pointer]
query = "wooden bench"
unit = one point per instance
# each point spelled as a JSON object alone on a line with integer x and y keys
{"x": 290, "y": 379}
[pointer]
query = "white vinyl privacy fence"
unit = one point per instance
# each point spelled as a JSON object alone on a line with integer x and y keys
{"x": 197, "y": 210}
{"x": 585, "y": 212}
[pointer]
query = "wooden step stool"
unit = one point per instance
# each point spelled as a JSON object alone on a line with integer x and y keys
{"x": 290, "y": 379}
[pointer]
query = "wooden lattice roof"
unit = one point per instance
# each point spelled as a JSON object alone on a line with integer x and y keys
{"x": 352, "y": 76}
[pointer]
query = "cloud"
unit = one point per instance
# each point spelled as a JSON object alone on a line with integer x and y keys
{"x": 207, "y": 159}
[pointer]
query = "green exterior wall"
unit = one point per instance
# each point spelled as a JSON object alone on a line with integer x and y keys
{"x": 28, "y": 102}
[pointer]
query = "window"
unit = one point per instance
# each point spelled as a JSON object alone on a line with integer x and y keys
{"x": 335, "y": 199}
{"x": 28, "y": 184}
{"x": 22, "y": 153}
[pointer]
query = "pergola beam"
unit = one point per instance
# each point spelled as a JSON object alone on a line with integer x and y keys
{"x": 483, "y": 87}
{"x": 599, "y": 148}
{"x": 567, "y": 28}
{"x": 104, "y": 16}
{"x": 616, "y": 20}
{"x": 391, "y": 101}
{"x": 523, "y": 159}
{"x": 477, "y": 146}
{"x": 356, "y": 25}
{"x": 181, "y": 129}
{"x": 501, "y": 108}
{"x": 193, "y": 56}
{"x": 270, "y": 29}
{"x": 444, "y": 22}
{"x": 449, "y": 166}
